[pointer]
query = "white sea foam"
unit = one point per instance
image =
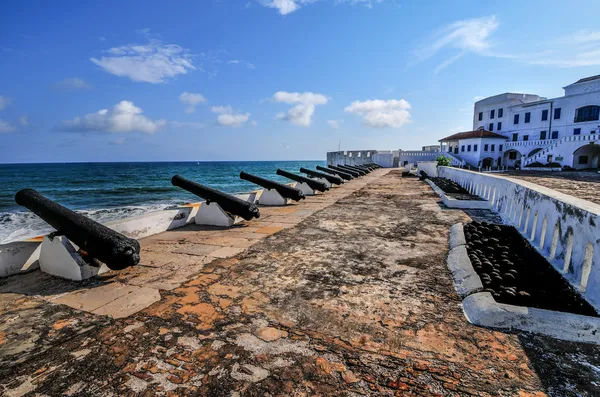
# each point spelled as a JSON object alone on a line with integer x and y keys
{"x": 18, "y": 226}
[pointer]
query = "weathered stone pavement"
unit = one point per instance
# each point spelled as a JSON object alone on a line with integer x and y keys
{"x": 344, "y": 294}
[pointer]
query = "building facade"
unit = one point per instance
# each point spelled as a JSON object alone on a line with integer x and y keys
{"x": 561, "y": 131}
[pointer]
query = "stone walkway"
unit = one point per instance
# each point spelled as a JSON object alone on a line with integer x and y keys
{"x": 350, "y": 296}
{"x": 583, "y": 185}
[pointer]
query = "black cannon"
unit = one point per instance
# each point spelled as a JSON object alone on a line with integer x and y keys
{"x": 227, "y": 202}
{"x": 344, "y": 175}
{"x": 98, "y": 241}
{"x": 333, "y": 179}
{"x": 347, "y": 167}
{"x": 313, "y": 184}
{"x": 284, "y": 190}
{"x": 362, "y": 167}
{"x": 353, "y": 174}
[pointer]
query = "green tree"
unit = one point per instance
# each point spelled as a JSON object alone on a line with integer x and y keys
{"x": 443, "y": 161}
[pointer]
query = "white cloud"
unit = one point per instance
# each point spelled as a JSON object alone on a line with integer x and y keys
{"x": 334, "y": 123}
{"x": 288, "y": 6}
{"x": 228, "y": 118}
{"x": 579, "y": 49}
{"x": 24, "y": 121}
{"x": 72, "y": 83}
{"x": 285, "y": 6}
{"x": 191, "y": 100}
{"x": 301, "y": 114}
{"x": 6, "y": 127}
{"x": 470, "y": 35}
{"x": 242, "y": 62}
{"x": 4, "y": 102}
{"x": 381, "y": 113}
{"x": 154, "y": 62}
{"x": 123, "y": 117}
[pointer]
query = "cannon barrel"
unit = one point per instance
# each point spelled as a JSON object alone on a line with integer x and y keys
{"x": 227, "y": 202}
{"x": 347, "y": 167}
{"x": 353, "y": 174}
{"x": 363, "y": 168}
{"x": 314, "y": 185}
{"x": 330, "y": 178}
{"x": 360, "y": 168}
{"x": 108, "y": 246}
{"x": 285, "y": 191}
{"x": 344, "y": 175}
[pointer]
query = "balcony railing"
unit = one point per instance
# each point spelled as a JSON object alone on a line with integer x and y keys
{"x": 537, "y": 142}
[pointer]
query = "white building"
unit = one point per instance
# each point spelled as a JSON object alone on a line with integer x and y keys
{"x": 529, "y": 130}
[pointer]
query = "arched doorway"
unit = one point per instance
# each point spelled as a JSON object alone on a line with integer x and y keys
{"x": 512, "y": 158}
{"x": 487, "y": 162}
{"x": 587, "y": 156}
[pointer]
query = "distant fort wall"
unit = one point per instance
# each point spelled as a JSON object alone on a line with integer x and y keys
{"x": 563, "y": 228}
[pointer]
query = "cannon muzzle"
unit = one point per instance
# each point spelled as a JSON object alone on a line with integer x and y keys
{"x": 108, "y": 246}
{"x": 227, "y": 202}
{"x": 314, "y": 184}
{"x": 344, "y": 175}
{"x": 284, "y": 190}
{"x": 328, "y": 177}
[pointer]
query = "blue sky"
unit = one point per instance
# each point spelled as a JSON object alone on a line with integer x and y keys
{"x": 270, "y": 79}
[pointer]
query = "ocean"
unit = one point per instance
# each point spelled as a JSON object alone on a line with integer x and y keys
{"x": 110, "y": 191}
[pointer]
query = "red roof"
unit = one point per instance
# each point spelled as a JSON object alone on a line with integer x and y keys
{"x": 472, "y": 134}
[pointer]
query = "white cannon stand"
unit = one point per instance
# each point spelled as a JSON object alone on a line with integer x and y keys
{"x": 59, "y": 257}
{"x": 272, "y": 197}
{"x": 325, "y": 181}
{"x": 307, "y": 190}
{"x": 212, "y": 214}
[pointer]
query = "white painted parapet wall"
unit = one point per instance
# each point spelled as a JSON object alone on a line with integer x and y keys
{"x": 563, "y": 228}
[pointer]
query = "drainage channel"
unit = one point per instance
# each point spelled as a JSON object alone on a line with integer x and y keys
{"x": 516, "y": 274}
{"x": 505, "y": 283}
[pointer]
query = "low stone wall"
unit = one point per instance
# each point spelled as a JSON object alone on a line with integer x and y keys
{"x": 563, "y": 228}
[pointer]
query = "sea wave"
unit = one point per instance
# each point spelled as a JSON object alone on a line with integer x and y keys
{"x": 18, "y": 226}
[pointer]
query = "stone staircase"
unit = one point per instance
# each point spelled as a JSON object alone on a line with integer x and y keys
{"x": 566, "y": 144}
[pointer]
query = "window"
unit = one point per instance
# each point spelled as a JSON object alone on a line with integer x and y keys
{"x": 462, "y": 148}
{"x": 587, "y": 113}
{"x": 486, "y": 147}
{"x": 499, "y": 148}
{"x": 583, "y": 160}
{"x": 474, "y": 148}
{"x": 480, "y": 116}
{"x": 577, "y": 131}
{"x": 556, "y": 113}
{"x": 544, "y": 114}
{"x": 491, "y": 127}
{"x": 527, "y": 117}
{"x": 492, "y": 113}
{"x": 493, "y": 147}
{"x": 554, "y": 134}
{"x": 516, "y": 119}
{"x": 512, "y": 155}
{"x": 456, "y": 150}
{"x": 468, "y": 148}
{"x": 499, "y": 126}
{"x": 515, "y": 137}
{"x": 500, "y": 112}
{"x": 525, "y": 137}
{"x": 542, "y": 135}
